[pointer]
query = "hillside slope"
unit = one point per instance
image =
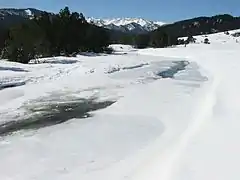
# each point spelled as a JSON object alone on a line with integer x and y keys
{"x": 202, "y": 25}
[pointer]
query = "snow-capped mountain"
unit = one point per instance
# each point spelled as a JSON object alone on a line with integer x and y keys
{"x": 11, "y": 16}
{"x": 29, "y": 12}
{"x": 137, "y": 25}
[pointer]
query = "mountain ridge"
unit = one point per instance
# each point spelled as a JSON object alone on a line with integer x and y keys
{"x": 129, "y": 25}
{"x": 119, "y": 26}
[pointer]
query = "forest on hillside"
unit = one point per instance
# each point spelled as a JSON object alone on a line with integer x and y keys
{"x": 67, "y": 33}
{"x": 51, "y": 35}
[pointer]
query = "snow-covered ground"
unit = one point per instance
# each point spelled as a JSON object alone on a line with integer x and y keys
{"x": 174, "y": 114}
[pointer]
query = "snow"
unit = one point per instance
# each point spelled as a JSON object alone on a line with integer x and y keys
{"x": 122, "y": 48}
{"x": 146, "y": 24}
{"x": 185, "y": 127}
{"x": 29, "y": 12}
{"x": 212, "y": 153}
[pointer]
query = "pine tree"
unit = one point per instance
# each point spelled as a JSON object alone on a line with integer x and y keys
{"x": 142, "y": 41}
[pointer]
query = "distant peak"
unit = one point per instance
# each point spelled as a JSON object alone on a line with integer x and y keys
{"x": 28, "y": 12}
{"x": 131, "y": 24}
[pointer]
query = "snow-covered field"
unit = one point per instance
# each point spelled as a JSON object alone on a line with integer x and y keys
{"x": 173, "y": 115}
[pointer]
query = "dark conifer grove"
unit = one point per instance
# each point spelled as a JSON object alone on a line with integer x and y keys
{"x": 47, "y": 35}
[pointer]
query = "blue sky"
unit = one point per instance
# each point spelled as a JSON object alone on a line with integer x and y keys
{"x": 162, "y": 10}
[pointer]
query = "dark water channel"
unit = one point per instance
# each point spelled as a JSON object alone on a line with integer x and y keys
{"x": 169, "y": 73}
{"x": 53, "y": 114}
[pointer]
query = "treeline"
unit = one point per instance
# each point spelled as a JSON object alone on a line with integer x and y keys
{"x": 155, "y": 39}
{"x": 167, "y": 35}
{"x": 47, "y": 35}
{"x": 202, "y": 25}
{"x": 3, "y": 38}
{"x": 69, "y": 33}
